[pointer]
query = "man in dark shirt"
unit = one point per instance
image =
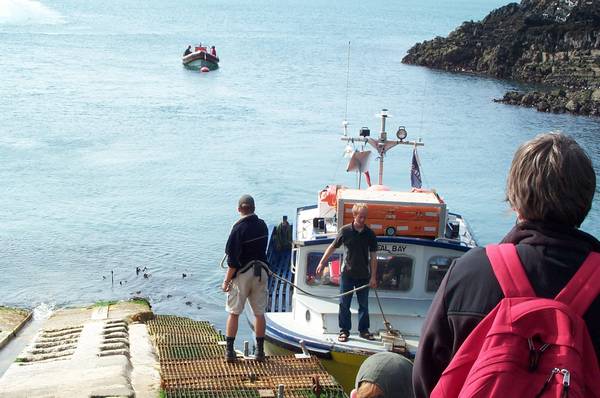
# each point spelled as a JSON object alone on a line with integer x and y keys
{"x": 187, "y": 51}
{"x": 247, "y": 276}
{"x": 359, "y": 269}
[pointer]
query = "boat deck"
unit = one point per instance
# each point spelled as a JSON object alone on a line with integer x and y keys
{"x": 280, "y": 293}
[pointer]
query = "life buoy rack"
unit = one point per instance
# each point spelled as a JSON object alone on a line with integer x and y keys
{"x": 329, "y": 195}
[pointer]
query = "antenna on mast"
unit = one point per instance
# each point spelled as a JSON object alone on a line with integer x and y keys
{"x": 383, "y": 144}
{"x": 345, "y": 122}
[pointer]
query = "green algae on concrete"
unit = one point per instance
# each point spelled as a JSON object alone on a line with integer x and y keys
{"x": 93, "y": 351}
{"x": 11, "y": 321}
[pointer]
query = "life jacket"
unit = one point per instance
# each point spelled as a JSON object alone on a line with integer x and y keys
{"x": 528, "y": 346}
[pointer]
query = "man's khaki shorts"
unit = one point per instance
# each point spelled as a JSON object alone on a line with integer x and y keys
{"x": 244, "y": 287}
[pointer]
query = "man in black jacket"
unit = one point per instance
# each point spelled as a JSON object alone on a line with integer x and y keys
{"x": 551, "y": 184}
{"x": 246, "y": 277}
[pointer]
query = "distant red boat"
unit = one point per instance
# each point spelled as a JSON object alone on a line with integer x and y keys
{"x": 200, "y": 58}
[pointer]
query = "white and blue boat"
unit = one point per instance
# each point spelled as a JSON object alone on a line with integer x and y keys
{"x": 417, "y": 240}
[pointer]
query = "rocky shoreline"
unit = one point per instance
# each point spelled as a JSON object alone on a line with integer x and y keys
{"x": 551, "y": 43}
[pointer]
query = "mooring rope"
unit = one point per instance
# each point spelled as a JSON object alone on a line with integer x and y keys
{"x": 271, "y": 273}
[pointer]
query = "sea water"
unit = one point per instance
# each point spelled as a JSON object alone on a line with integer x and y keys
{"x": 114, "y": 157}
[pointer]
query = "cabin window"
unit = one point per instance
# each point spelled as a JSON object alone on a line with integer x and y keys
{"x": 437, "y": 268}
{"x": 395, "y": 273}
{"x": 331, "y": 273}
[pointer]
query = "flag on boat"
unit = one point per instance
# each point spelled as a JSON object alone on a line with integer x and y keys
{"x": 415, "y": 170}
{"x": 359, "y": 161}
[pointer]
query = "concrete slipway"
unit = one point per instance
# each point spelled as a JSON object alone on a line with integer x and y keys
{"x": 122, "y": 349}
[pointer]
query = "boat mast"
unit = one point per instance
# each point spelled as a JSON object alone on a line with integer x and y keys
{"x": 382, "y": 145}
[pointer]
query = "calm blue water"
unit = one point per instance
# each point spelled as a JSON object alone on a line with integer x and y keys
{"x": 113, "y": 156}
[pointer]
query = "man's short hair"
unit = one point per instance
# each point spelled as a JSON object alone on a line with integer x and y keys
{"x": 246, "y": 204}
{"x": 551, "y": 179}
{"x": 358, "y": 207}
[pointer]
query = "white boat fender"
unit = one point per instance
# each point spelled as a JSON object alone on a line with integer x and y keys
{"x": 204, "y": 69}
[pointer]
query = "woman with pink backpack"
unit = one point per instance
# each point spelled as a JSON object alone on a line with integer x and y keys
{"x": 522, "y": 319}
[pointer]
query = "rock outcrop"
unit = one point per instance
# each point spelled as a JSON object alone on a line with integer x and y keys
{"x": 551, "y": 43}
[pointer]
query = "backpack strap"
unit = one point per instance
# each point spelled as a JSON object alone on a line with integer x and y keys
{"x": 584, "y": 286}
{"x": 509, "y": 270}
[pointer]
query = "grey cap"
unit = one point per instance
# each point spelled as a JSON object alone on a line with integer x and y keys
{"x": 391, "y": 372}
{"x": 247, "y": 201}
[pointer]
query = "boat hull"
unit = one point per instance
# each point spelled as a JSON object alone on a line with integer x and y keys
{"x": 294, "y": 316}
{"x": 199, "y": 60}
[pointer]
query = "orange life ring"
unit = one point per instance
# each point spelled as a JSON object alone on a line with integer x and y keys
{"x": 329, "y": 195}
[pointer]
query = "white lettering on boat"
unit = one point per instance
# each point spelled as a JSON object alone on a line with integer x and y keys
{"x": 392, "y": 248}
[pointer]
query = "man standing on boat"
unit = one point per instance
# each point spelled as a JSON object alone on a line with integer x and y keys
{"x": 283, "y": 236}
{"x": 247, "y": 276}
{"x": 359, "y": 269}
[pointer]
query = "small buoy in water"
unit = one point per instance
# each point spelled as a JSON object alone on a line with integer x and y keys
{"x": 204, "y": 69}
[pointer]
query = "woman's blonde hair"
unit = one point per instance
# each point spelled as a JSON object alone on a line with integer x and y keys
{"x": 551, "y": 179}
{"x": 368, "y": 390}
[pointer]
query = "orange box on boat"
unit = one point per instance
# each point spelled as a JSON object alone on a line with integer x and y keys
{"x": 422, "y": 229}
{"x": 415, "y": 214}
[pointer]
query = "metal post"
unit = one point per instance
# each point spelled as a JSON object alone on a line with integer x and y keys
{"x": 382, "y": 142}
{"x": 303, "y": 347}
{"x": 246, "y": 348}
{"x": 280, "y": 393}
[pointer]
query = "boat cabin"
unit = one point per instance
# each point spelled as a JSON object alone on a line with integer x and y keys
{"x": 417, "y": 241}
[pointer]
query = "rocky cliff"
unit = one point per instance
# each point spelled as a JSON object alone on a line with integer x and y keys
{"x": 553, "y": 43}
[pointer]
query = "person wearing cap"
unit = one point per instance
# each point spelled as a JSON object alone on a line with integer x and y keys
{"x": 384, "y": 375}
{"x": 246, "y": 277}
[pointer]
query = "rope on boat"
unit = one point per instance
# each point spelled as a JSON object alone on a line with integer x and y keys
{"x": 356, "y": 289}
{"x": 271, "y": 273}
{"x": 388, "y": 326}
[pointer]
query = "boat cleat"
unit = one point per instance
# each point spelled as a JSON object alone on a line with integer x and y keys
{"x": 393, "y": 341}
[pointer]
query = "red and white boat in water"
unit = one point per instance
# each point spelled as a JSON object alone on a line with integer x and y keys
{"x": 200, "y": 58}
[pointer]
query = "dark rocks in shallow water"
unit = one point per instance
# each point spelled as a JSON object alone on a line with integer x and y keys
{"x": 580, "y": 102}
{"x": 551, "y": 42}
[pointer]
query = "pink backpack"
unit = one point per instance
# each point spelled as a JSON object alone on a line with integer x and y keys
{"x": 528, "y": 346}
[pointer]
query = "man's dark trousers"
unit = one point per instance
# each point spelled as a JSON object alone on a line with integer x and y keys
{"x": 348, "y": 283}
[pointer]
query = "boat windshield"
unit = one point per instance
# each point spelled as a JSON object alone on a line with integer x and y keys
{"x": 393, "y": 272}
{"x": 330, "y": 275}
{"x": 436, "y": 270}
